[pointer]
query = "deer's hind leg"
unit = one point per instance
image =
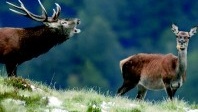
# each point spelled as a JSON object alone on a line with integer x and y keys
{"x": 131, "y": 79}
{"x": 127, "y": 85}
{"x": 141, "y": 92}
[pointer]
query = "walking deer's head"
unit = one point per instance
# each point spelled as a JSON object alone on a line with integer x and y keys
{"x": 183, "y": 37}
{"x": 65, "y": 25}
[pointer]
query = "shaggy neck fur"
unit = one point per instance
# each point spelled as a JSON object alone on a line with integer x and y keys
{"x": 36, "y": 41}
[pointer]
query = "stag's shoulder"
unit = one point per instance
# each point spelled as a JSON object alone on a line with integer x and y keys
{"x": 10, "y": 33}
{"x": 10, "y": 29}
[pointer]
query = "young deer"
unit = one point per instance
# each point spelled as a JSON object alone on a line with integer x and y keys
{"x": 18, "y": 45}
{"x": 157, "y": 71}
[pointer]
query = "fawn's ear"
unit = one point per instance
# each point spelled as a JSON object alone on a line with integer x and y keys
{"x": 192, "y": 31}
{"x": 175, "y": 29}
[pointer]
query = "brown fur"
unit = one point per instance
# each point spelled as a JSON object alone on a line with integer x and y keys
{"x": 152, "y": 65}
{"x": 157, "y": 71}
{"x": 156, "y": 68}
{"x": 18, "y": 45}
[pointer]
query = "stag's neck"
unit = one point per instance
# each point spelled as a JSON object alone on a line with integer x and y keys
{"x": 38, "y": 40}
{"x": 182, "y": 57}
{"x": 44, "y": 36}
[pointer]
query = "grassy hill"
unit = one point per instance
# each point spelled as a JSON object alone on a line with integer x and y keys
{"x": 22, "y": 95}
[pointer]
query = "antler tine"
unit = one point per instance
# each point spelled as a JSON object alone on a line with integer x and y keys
{"x": 31, "y": 15}
{"x": 17, "y": 12}
{"x": 56, "y": 13}
{"x": 43, "y": 18}
{"x": 16, "y": 7}
{"x": 28, "y": 13}
{"x": 58, "y": 8}
{"x": 12, "y": 4}
{"x": 44, "y": 12}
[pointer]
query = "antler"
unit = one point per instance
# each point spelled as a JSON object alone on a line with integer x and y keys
{"x": 43, "y": 18}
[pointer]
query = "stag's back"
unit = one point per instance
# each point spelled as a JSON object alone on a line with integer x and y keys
{"x": 9, "y": 40}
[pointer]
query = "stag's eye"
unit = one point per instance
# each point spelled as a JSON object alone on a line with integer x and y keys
{"x": 64, "y": 22}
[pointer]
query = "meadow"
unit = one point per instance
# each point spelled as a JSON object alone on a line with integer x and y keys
{"x": 23, "y": 95}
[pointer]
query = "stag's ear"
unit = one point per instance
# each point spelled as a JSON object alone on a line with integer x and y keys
{"x": 192, "y": 31}
{"x": 175, "y": 29}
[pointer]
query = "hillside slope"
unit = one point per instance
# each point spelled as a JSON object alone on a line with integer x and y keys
{"x": 22, "y": 95}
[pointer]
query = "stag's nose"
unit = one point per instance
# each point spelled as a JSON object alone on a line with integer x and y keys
{"x": 78, "y": 21}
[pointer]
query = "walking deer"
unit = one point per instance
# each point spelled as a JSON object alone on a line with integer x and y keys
{"x": 18, "y": 45}
{"x": 157, "y": 71}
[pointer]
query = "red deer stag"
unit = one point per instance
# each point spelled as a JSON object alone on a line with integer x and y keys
{"x": 18, "y": 45}
{"x": 157, "y": 71}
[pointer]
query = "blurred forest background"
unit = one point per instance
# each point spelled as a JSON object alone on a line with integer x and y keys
{"x": 111, "y": 30}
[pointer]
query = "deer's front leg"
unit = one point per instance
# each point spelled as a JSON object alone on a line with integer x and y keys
{"x": 170, "y": 91}
{"x": 11, "y": 69}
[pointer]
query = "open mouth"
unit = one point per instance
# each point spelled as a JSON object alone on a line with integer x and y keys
{"x": 75, "y": 29}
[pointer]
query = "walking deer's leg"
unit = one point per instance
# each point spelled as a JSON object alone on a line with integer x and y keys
{"x": 127, "y": 85}
{"x": 11, "y": 70}
{"x": 175, "y": 86}
{"x": 174, "y": 91}
{"x": 141, "y": 92}
{"x": 169, "y": 92}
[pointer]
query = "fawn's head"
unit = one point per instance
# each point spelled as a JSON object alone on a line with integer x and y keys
{"x": 183, "y": 37}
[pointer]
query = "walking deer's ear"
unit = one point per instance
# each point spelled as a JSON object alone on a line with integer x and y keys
{"x": 192, "y": 31}
{"x": 175, "y": 29}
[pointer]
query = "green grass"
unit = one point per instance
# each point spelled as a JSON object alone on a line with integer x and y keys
{"x": 16, "y": 95}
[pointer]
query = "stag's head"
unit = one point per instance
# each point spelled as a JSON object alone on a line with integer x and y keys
{"x": 183, "y": 37}
{"x": 65, "y": 25}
